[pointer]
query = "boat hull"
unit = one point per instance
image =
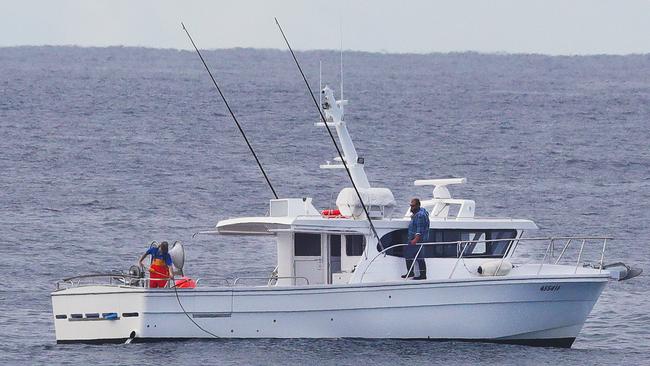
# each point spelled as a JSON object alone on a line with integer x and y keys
{"x": 543, "y": 311}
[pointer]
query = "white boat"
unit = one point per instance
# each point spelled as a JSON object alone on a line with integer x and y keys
{"x": 335, "y": 279}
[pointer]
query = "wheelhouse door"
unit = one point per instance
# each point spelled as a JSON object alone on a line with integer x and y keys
{"x": 308, "y": 259}
{"x": 333, "y": 255}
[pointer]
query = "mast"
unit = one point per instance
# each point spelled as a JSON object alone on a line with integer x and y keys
{"x": 334, "y": 112}
{"x": 329, "y": 132}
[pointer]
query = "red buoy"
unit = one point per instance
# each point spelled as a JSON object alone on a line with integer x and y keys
{"x": 331, "y": 213}
{"x": 185, "y": 282}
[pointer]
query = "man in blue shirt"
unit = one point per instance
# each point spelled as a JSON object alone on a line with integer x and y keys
{"x": 418, "y": 233}
{"x": 161, "y": 269}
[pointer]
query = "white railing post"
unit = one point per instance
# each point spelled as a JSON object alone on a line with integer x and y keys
{"x": 457, "y": 260}
{"x": 544, "y": 259}
{"x": 413, "y": 264}
{"x": 602, "y": 256}
{"x": 579, "y": 255}
{"x": 552, "y": 250}
{"x": 563, "y": 250}
{"x": 504, "y": 255}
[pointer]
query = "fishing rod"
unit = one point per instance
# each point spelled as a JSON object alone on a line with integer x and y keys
{"x": 250, "y": 147}
{"x": 231, "y": 112}
{"x": 329, "y": 131}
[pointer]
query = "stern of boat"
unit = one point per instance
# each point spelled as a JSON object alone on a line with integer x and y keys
{"x": 97, "y": 314}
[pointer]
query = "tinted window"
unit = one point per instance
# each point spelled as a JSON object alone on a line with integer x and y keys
{"x": 501, "y": 247}
{"x": 393, "y": 238}
{"x": 306, "y": 244}
{"x": 443, "y": 250}
{"x": 335, "y": 245}
{"x": 490, "y": 249}
{"x": 480, "y": 249}
{"x": 474, "y": 249}
{"x": 354, "y": 245}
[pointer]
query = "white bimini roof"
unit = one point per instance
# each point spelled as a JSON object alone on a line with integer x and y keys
{"x": 254, "y": 225}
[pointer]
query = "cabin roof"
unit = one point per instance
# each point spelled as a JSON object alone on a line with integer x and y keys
{"x": 266, "y": 225}
{"x": 269, "y": 225}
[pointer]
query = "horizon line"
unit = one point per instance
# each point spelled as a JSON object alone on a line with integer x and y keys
{"x": 414, "y": 53}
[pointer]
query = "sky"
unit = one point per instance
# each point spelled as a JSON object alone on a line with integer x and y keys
{"x": 554, "y": 27}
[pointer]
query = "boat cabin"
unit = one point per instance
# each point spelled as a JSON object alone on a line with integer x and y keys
{"x": 317, "y": 248}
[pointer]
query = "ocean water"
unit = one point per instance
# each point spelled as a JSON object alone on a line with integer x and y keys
{"x": 104, "y": 149}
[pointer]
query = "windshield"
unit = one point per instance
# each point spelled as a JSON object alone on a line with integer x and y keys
{"x": 495, "y": 249}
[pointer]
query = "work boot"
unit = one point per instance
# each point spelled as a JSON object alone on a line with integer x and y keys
{"x": 409, "y": 273}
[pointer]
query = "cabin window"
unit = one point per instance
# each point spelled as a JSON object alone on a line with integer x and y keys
{"x": 442, "y": 250}
{"x": 500, "y": 247}
{"x": 306, "y": 245}
{"x": 496, "y": 249}
{"x": 391, "y": 239}
{"x": 335, "y": 245}
{"x": 488, "y": 249}
{"x": 354, "y": 245}
{"x": 473, "y": 249}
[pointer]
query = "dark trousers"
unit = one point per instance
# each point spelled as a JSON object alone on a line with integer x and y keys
{"x": 421, "y": 264}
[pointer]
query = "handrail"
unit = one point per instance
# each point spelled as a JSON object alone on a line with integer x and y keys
{"x": 266, "y": 278}
{"x": 458, "y": 260}
{"x": 510, "y": 245}
{"x": 564, "y": 250}
{"x": 506, "y": 252}
{"x": 413, "y": 264}
{"x": 273, "y": 275}
{"x": 142, "y": 281}
{"x": 543, "y": 259}
{"x": 421, "y": 245}
{"x": 125, "y": 279}
{"x": 582, "y": 246}
{"x": 602, "y": 256}
{"x": 115, "y": 274}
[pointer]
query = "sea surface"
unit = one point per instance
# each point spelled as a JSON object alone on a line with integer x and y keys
{"x": 103, "y": 150}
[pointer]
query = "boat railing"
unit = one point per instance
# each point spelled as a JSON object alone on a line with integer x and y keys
{"x": 513, "y": 243}
{"x": 111, "y": 278}
{"x": 128, "y": 280}
{"x": 269, "y": 279}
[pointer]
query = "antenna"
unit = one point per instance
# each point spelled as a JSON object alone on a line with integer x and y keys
{"x": 320, "y": 84}
{"x": 329, "y": 132}
{"x": 341, "y": 59}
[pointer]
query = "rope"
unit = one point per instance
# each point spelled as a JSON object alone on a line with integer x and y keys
{"x": 178, "y": 299}
{"x": 188, "y": 315}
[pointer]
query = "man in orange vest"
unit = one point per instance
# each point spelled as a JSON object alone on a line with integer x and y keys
{"x": 161, "y": 265}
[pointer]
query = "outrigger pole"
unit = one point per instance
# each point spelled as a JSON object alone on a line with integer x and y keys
{"x": 329, "y": 130}
{"x": 231, "y": 112}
